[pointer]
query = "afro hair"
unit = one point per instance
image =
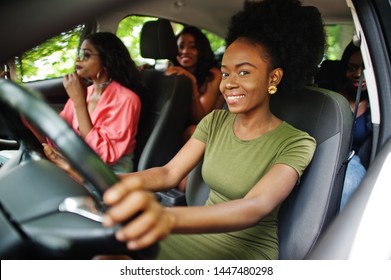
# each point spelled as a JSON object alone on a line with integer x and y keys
{"x": 292, "y": 35}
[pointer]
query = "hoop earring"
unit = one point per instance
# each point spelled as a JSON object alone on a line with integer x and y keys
{"x": 272, "y": 89}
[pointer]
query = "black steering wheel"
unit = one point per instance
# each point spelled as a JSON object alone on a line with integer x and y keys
{"x": 44, "y": 213}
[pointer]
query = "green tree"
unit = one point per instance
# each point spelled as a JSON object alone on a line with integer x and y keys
{"x": 53, "y": 58}
{"x": 56, "y": 56}
{"x": 129, "y": 30}
{"x": 333, "y": 47}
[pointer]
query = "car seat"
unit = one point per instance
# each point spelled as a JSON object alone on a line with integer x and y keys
{"x": 167, "y": 106}
{"x": 327, "y": 76}
{"x": 314, "y": 202}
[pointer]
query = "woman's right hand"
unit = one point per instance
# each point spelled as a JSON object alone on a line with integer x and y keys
{"x": 145, "y": 221}
{"x": 178, "y": 70}
{"x": 75, "y": 89}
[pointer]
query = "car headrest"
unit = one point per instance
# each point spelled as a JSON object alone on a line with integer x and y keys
{"x": 158, "y": 40}
{"x": 328, "y": 74}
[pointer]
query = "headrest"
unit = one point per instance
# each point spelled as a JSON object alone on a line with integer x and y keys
{"x": 328, "y": 74}
{"x": 158, "y": 40}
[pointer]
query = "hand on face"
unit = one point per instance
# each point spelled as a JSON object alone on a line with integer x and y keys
{"x": 144, "y": 220}
{"x": 75, "y": 89}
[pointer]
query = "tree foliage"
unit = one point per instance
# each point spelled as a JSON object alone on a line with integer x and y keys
{"x": 333, "y": 48}
{"x": 53, "y": 58}
{"x": 129, "y": 31}
{"x": 56, "y": 57}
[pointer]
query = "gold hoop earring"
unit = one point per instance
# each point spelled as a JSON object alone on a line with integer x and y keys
{"x": 272, "y": 89}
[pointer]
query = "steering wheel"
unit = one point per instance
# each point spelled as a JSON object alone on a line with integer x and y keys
{"x": 43, "y": 211}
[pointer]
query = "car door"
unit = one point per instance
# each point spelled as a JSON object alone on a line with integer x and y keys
{"x": 42, "y": 69}
{"x": 362, "y": 230}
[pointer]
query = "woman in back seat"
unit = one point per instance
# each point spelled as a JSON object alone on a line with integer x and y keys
{"x": 351, "y": 67}
{"x": 196, "y": 60}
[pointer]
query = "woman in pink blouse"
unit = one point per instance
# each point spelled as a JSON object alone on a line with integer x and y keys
{"x": 106, "y": 113}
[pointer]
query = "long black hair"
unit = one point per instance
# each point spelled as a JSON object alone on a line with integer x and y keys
{"x": 206, "y": 58}
{"x": 116, "y": 59}
{"x": 350, "y": 49}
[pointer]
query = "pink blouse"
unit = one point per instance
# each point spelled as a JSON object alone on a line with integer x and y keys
{"x": 114, "y": 119}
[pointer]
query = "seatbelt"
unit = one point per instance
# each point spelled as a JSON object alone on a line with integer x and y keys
{"x": 358, "y": 96}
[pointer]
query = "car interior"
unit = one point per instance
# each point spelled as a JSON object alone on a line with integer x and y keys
{"x": 328, "y": 118}
{"x": 168, "y": 97}
{"x": 36, "y": 219}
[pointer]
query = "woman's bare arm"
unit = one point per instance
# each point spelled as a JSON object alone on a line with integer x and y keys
{"x": 204, "y": 103}
{"x": 238, "y": 214}
{"x": 234, "y": 215}
{"x": 169, "y": 175}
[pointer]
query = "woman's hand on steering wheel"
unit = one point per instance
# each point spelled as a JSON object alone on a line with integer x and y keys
{"x": 144, "y": 220}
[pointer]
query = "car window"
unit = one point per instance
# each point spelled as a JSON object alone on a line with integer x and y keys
{"x": 338, "y": 37}
{"x": 53, "y": 58}
{"x": 129, "y": 30}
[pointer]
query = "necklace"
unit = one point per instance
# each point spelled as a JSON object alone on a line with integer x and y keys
{"x": 102, "y": 85}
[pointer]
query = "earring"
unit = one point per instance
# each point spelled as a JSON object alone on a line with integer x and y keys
{"x": 272, "y": 89}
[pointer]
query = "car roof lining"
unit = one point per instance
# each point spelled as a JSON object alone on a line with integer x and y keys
{"x": 58, "y": 19}
{"x": 26, "y": 17}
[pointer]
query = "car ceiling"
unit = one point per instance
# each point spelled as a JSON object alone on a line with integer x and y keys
{"x": 24, "y": 23}
{"x": 214, "y": 15}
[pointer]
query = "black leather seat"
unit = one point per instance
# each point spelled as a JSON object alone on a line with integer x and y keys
{"x": 315, "y": 201}
{"x": 327, "y": 76}
{"x": 312, "y": 205}
{"x": 168, "y": 100}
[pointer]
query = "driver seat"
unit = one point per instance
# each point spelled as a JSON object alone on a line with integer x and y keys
{"x": 314, "y": 202}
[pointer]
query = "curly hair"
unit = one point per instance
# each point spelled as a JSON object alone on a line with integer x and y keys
{"x": 291, "y": 34}
{"x": 206, "y": 58}
{"x": 116, "y": 59}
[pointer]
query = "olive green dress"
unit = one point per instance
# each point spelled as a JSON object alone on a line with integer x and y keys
{"x": 231, "y": 168}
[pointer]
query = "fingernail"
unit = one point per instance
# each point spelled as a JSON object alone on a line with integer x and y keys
{"x": 132, "y": 245}
{"x": 107, "y": 221}
{"x": 120, "y": 236}
{"x": 111, "y": 195}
